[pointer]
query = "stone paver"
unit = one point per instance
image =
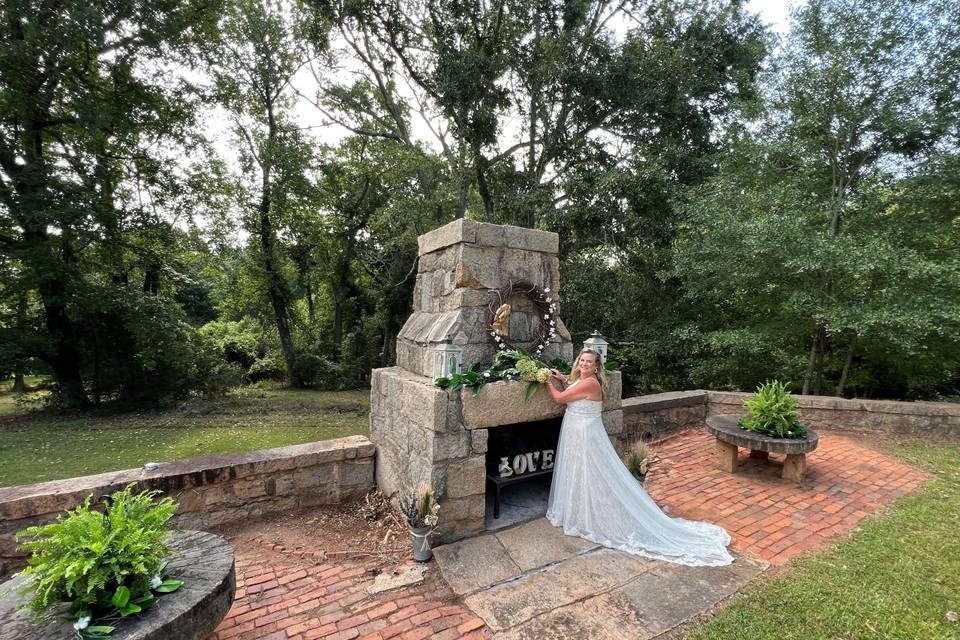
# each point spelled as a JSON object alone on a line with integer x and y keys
{"x": 772, "y": 518}
{"x": 480, "y": 562}
{"x": 580, "y": 590}
{"x": 539, "y": 543}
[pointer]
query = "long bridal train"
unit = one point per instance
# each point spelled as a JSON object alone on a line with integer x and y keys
{"x": 593, "y": 496}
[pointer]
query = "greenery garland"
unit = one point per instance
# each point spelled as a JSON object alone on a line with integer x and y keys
{"x": 546, "y": 307}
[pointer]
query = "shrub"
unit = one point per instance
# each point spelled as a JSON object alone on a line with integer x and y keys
{"x": 639, "y": 460}
{"x": 105, "y": 564}
{"x": 773, "y": 411}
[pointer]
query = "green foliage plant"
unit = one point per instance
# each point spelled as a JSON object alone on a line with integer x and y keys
{"x": 773, "y": 412}
{"x": 420, "y": 508}
{"x": 106, "y": 565}
{"x": 510, "y": 364}
{"x": 640, "y": 459}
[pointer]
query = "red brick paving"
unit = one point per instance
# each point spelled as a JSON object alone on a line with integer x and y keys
{"x": 284, "y": 597}
{"x": 773, "y": 518}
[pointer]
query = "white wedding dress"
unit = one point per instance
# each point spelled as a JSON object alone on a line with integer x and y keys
{"x": 594, "y": 496}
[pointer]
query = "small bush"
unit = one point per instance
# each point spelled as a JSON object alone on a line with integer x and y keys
{"x": 102, "y": 563}
{"x": 773, "y": 411}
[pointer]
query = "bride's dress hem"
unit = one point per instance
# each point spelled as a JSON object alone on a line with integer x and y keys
{"x": 690, "y": 561}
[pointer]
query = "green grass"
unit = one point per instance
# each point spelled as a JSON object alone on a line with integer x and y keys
{"x": 39, "y": 446}
{"x": 896, "y": 578}
{"x": 12, "y": 403}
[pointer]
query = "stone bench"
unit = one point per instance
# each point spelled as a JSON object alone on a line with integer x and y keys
{"x": 726, "y": 429}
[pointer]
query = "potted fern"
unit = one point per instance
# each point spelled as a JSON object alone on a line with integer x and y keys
{"x": 96, "y": 568}
{"x": 421, "y": 511}
{"x": 773, "y": 412}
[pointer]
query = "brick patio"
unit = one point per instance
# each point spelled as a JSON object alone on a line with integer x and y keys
{"x": 772, "y": 518}
{"x": 282, "y": 595}
{"x": 307, "y": 595}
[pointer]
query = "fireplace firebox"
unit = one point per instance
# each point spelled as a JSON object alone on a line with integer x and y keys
{"x": 520, "y": 453}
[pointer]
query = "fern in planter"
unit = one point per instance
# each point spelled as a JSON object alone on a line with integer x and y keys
{"x": 106, "y": 565}
{"x": 773, "y": 411}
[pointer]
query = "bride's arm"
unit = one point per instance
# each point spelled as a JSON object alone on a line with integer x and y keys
{"x": 581, "y": 391}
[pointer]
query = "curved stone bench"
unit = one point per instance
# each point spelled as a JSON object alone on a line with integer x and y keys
{"x": 730, "y": 436}
{"x": 202, "y": 560}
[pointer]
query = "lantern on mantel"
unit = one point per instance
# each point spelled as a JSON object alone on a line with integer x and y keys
{"x": 596, "y": 343}
{"x": 446, "y": 360}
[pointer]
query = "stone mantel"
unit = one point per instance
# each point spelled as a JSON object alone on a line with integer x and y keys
{"x": 505, "y": 403}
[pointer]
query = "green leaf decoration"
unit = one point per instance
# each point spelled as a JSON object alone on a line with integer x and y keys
{"x": 168, "y": 586}
{"x": 100, "y": 629}
{"x": 120, "y": 597}
{"x": 130, "y": 609}
{"x": 531, "y": 389}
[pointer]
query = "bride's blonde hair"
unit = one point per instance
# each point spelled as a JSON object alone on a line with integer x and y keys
{"x": 600, "y": 374}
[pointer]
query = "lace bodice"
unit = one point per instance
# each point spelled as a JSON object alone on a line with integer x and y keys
{"x": 584, "y": 407}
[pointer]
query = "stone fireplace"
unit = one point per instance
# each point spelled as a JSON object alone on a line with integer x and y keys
{"x": 426, "y": 435}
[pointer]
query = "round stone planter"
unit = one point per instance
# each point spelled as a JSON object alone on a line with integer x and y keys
{"x": 202, "y": 560}
{"x": 726, "y": 429}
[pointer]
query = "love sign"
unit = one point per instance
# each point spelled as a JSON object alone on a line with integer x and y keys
{"x": 526, "y": 463}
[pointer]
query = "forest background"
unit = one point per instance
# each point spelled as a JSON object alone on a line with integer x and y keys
{"x": 732, "y": 205}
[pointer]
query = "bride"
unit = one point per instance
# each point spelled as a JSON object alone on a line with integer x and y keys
{"x": 594, "y": 496}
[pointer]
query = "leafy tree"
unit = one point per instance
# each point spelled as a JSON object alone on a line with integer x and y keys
{"x": 87, "y": 119}
{"x": 253, "y": 65}
{"x": 822, "y": 228}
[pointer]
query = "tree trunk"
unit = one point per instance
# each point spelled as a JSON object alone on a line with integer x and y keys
{"x": 276, "y": 290}
{"x": 851, "y": 347}
{"x": 808, "y": 376}
{"x": 337, "y": 327}
{"x": 483, "y": 189}
{"x": 64, "y": 358}
{"x": 19, "y": 384}
{"x": 311, "y": 310}
{"x": 821, "y": 347}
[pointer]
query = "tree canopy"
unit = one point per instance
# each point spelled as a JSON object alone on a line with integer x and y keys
{"x": 197, "y": 194}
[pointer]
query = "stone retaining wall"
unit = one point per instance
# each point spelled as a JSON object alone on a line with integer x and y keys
{"x": 652, "y": 416}
{"x": 933, "y": 420}
{"x": 211, "y": 490}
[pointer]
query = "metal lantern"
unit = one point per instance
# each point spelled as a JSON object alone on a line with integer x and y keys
{"x": 596, "y": 343}
{"x": 446, "y": 360}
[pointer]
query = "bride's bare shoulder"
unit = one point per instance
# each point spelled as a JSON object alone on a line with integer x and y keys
{"x": 592, "y": 386}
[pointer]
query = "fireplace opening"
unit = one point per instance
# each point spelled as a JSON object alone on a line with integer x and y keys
{"x": 520, "y": 461}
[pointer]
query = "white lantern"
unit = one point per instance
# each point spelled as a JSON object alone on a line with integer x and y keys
{"x": 596, "y": 343}
{"x": 446, "y": 360}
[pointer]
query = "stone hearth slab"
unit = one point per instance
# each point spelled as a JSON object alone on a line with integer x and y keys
{"x": 538, "y": 543}
{"x": 475, "y": 563}
{"x": 645, "y": 606}
{"x": 533, "y": 582}
{"x": 512, "y": 603}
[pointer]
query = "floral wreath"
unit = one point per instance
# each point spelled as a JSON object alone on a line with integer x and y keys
{"x": 546, "y": 308}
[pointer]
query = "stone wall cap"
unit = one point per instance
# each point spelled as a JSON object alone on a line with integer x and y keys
{"x": 465, "y": 231}
{"x": 361, "y": 445}
{"x": 844, "y": 404}
{"x": 670, "y": 399}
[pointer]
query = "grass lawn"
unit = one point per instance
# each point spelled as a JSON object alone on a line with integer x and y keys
{"x": 897, "y": 577}
{"x": 39, "y": 446}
